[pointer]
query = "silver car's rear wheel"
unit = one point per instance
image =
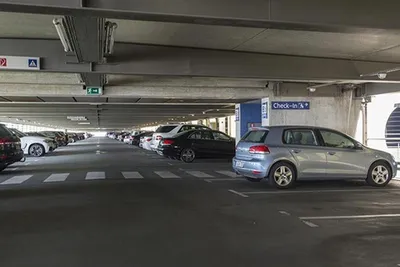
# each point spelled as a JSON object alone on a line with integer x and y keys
{"x": 282, "y": 175}
{"x": 379, "y": 174}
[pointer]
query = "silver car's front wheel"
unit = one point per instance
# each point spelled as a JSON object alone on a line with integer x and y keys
{"x": 379, "y": 174}
{"x": 282, "y": 175}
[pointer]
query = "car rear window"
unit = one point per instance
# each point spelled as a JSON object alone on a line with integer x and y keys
{"x": 255, "y": 136}
{"x": 4, "y": 132}
{"x": 165, "y": 129}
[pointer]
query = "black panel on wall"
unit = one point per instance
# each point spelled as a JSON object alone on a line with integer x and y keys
{"x": 393, "y": 129}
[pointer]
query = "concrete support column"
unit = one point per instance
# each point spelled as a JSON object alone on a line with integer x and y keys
{"x": 340, "y": 112}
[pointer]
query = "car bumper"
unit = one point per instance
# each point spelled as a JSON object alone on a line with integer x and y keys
{"x": 168, "y": 152}
{"x": 248, "y": 168}
{"x": 11, "y": 158}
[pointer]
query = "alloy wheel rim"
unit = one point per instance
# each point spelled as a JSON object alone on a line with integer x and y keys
{"x": 36, "y": 150}
{"x": 188, "y": 155}
{"x": 380, "y": 174}
{"x": 283, "y": 176}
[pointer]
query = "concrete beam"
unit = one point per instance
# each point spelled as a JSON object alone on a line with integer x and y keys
{"x": 133, "y": 59}
{"x": 22, "y": 78}
{"x": 377, "y": 89}
{"x": 44, "y": 90}
{"x": 314, "y": 15}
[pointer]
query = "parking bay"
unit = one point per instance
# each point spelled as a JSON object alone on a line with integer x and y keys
{"x": 329, "y": 223}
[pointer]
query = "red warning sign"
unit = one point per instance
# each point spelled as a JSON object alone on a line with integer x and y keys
{"x": 3, "y": 62}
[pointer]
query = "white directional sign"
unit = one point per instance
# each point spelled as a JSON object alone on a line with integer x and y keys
{"x": 19, "y": 63}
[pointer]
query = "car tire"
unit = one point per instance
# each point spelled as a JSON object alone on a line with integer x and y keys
{"x": 36, "y": 150}
{"x": 253, "y": 180}
{"x": 379, "y": 174}
{"x": 187, "y": 155}
{"x": 282, "y": 175}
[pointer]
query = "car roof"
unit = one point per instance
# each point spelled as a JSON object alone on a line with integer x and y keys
{"x": 291, "y": 126}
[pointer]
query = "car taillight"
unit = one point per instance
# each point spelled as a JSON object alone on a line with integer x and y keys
{"x": 262, "y": 149}
{"x": 148, "y": 139}
{"x": 158, "y": 137}
{"x": 167, "y": 142}
{"x": 4, "y": 142}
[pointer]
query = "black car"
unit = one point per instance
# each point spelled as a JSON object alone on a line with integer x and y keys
{"x": 60, "y": 140}
{"x": 135, "y": 139}
{"x": 197, "y": 144}
{"x": 10, "y": 148}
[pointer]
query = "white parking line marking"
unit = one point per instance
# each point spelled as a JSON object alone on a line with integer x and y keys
{"x": 284, "y": 212}
{"x": 199, "y": 174}
{"x": 57, "y": 177}
{"x": 17, "y": 179}
{"x": 313, "y": 225}
{"x": 166, "y": 174}
{"x": 237, "y": 193}
{"x": 12, "y": 169}
{"x": 366, "y": 216}
{"x": 228, "y": 173}
{"x": 318, "y": 191}
{"x": 95, "y": 175}
{"x": 132, "y": 175}
{"x": 222, "y": 180}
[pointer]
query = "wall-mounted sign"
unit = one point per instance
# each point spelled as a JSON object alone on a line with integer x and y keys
{"x": 19, "y": 63}
{"x": 94, "y": 90}
{"x": 265, "y": 111}
{"x": 290, "y": 105}
{"x": 237, "y": 113}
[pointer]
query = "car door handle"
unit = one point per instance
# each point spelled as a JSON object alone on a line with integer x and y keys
{"x": 331, "y": 153}
{"x": 296, "y": 151}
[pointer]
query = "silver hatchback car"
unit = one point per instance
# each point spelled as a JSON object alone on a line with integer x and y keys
{"x": 284, "y": 154}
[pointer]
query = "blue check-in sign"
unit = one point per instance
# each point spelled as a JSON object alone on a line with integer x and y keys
{"x": 290, "y": 105}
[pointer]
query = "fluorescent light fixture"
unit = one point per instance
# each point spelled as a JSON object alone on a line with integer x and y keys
{"x": 86, "y": 123}
{"x": 110, "y": 37}
{"x": 61, "y": 29}
{"x": 77, "y": 118}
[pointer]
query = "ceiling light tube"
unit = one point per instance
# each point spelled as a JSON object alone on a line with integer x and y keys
{"x": 110, "y": 37}
{"x": 62, "y": 34}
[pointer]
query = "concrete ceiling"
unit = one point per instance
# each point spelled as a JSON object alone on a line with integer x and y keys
{"x": 377, "y": 45}
{"x": 107, "y": 116}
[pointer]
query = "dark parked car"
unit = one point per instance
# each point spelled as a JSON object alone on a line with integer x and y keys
{"x": 196, "y": 144}
{"x": 56, "y": 136}
{"x": 10, "y": 148}
{"x": 135, "y": 139}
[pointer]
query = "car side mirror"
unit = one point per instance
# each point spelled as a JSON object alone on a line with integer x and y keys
{"x": 359, "y": 146}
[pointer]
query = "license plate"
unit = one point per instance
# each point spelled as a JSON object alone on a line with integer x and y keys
{"x": 239, "y": 164}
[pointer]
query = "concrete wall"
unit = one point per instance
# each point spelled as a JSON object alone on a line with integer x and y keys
{"x": 336, "y": 112}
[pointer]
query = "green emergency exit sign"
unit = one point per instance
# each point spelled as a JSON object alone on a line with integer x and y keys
{"x": 94, "y": 90}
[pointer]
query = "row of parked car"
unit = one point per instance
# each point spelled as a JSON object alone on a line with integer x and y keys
{"x": 281, "y": 154}
{"x": 182, "y": 141}
{"x": 14, "y": 144}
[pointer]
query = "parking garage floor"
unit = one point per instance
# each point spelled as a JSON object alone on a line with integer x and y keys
{"x": 99, "y": 203}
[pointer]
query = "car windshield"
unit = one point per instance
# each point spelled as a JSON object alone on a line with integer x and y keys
{"x": 257, "y": 136}
{"x": 18, "y": 133}
{"x": 5, "y": 132}
{"x": 165, "y": 129}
